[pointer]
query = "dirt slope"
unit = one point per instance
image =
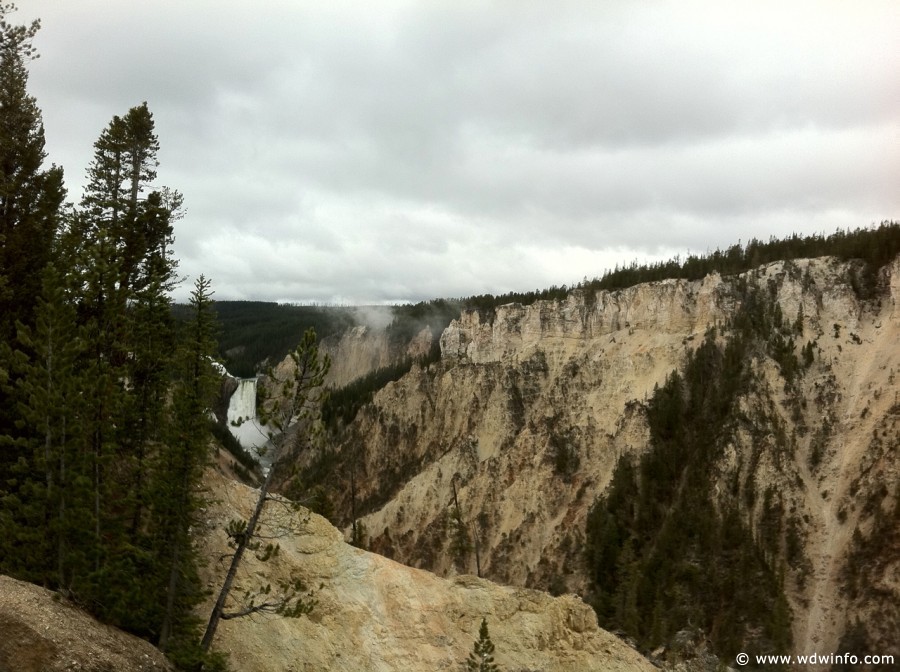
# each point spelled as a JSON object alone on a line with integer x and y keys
{"x": 39, "y": 632}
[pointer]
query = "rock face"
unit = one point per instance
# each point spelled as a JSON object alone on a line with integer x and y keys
{"x": 375, "y": 615}
{"x": 41, "y": 633}
{"x": 363, "y": 349}
{"x": 517, "y": 429}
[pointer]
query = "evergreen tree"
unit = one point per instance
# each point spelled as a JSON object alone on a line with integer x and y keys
{"x": 119, "y": 249}
{"x": 30, "y": 196}
{"x": 151, "y": 330}
{"x": 41, "y": 503}
{"x": 30, "y": 199}
{"x": 177, "y": 473}
{"x": 482, "y": 657}
{"x": 123, "y": 167}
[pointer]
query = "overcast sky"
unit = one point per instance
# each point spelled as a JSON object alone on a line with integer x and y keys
{"x": 366, "y": 152}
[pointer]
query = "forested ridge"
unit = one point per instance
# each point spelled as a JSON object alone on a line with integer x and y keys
{"x": 253, "y": 334}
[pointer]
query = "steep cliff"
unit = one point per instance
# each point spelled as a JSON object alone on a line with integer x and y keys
{"x": 492, "y": 457}
{"x": 366, "y": 348}
{"x": 375, "y": 615}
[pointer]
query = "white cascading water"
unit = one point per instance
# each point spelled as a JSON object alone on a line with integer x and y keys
{"x": 243, "y": 401}
{"x": 242, "y": 420}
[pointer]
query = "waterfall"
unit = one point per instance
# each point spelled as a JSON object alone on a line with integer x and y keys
{"x": 242, "y": 406}
{"x": 242, "y": 420}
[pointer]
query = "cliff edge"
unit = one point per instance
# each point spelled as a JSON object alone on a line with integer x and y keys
{"x": 375, "y": 615}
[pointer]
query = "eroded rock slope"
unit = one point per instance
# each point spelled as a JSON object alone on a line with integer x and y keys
{"x": 515, "y": 432}
{"x": 375, "y": 615}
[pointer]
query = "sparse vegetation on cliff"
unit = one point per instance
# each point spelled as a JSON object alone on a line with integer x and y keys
{"x": 662, "y": 550}
{"x": 757, "y": 421}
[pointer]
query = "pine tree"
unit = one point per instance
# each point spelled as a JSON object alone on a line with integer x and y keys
{"x": 123, "y": 167}
{"x": 482, "y": 657}
{"x": 119, "y": 248}
{"x": 151, "y": 331}
{"x": 177, "y": 473}
{"x": 43, "y": 504}
{"x": 30, "y": 196}
{"x": 30, "y": 199}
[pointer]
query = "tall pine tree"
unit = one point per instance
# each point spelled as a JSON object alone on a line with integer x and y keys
{"x": 177, "y": 473}
{"x": 30, "y": 199}
{"x": 41, "y": 512}
{"x": 30, "y": 195}
{"x": 118, "y": 246}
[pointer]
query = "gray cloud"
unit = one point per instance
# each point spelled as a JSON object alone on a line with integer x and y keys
{"x": 366, "y": 152}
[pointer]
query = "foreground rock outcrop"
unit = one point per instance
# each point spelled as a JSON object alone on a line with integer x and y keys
{"x": 375, "y": 615}
{"x": 40, "y": 632}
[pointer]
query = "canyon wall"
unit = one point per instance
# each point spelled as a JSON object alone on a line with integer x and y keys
{"x": 516, "y": 431}
{"x": 366, "y": 348}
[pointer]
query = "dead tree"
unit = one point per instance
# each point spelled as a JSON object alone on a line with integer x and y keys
{"x": 294, "y": 397}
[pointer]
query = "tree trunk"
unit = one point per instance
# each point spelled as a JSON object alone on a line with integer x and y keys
{"x": 477, "y": 548}
{"x": 216, "y": 614}
{"x": 166, "y": 628}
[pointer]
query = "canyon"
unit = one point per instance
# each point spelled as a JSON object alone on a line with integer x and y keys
{"x": 515, "y": 432}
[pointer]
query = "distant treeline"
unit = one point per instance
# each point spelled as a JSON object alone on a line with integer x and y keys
{"x": 875, "y": 246}
{"x": 410, "y": 319}
{"x": 253, "y": 332}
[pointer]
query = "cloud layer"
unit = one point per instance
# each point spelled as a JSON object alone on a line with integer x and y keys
{"x": 370, "y": 152}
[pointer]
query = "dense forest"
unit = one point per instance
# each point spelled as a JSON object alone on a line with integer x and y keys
{"x": 103, "y": 400}
{"x": 253, "y": 334}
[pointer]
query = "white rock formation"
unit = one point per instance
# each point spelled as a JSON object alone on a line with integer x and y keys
{"x": 375, "y": 615}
